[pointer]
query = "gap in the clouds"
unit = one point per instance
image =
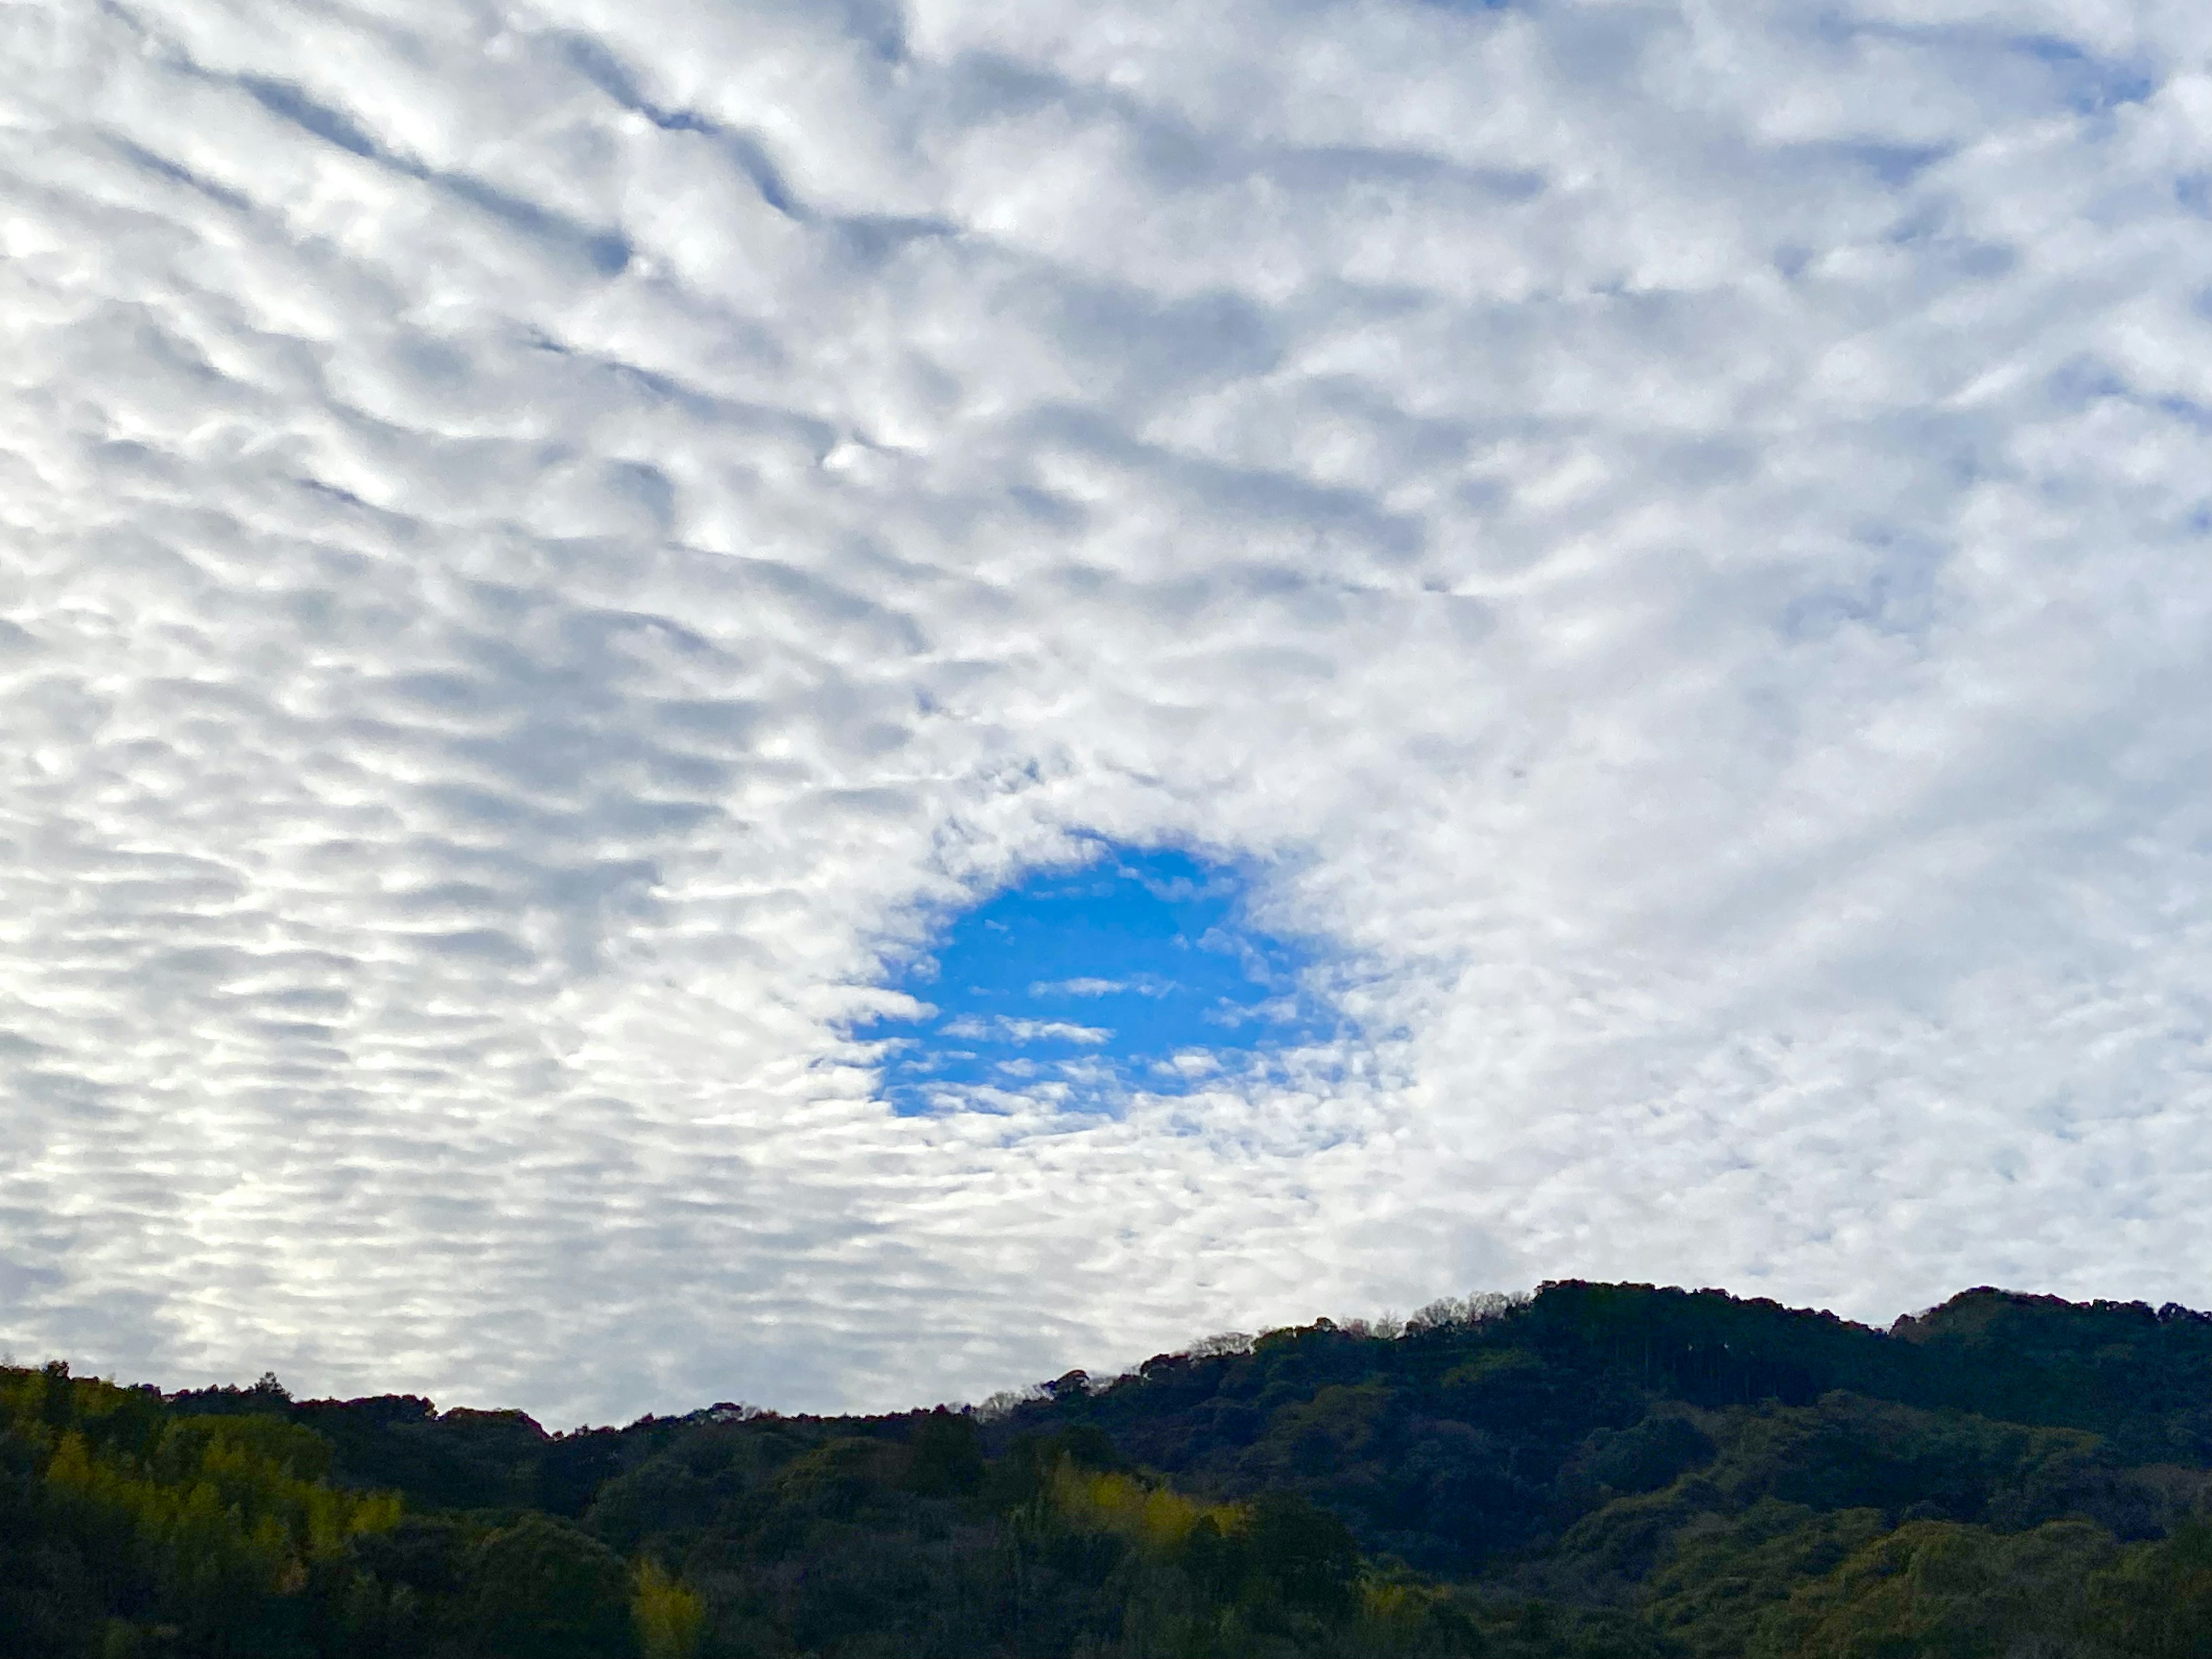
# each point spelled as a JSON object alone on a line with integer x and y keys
{"x": 1137, "y": 970}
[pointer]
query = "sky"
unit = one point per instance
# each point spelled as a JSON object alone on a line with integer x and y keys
{"x": 616, "y": 615}
{"x": 1136, "y": 970}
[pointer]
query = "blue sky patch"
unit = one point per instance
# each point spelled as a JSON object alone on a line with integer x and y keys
{"x": 1140, "y": 970}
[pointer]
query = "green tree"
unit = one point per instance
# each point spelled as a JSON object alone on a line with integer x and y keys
{"x": 669, "y": 1615}
{"x": 543, "y": 1590}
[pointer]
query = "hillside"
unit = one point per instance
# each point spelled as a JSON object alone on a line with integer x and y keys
{"x": 1594, "y": 1470}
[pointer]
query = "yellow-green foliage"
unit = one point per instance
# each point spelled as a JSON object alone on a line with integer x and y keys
{"x": 1939, "y": 1588}
{"x": 1154, "y": 1517}
{"x": 1724, "y": 1572}
{"x": 1491, "y": 1365}
{"x": 1398, "y": 1600}
{"x": 670, "y": 1618}
{"x": 214, "y": 1506}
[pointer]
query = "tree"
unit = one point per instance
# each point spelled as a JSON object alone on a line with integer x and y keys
{"x": 543, "y": 1590}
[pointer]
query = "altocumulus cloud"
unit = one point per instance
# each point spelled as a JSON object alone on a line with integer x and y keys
{"x": 543, "y": 541}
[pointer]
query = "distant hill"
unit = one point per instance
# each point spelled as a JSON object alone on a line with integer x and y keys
{"x": 1596, "y": 1469}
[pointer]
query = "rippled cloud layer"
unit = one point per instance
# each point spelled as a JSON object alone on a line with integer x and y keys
{"x": 541, "y": 544}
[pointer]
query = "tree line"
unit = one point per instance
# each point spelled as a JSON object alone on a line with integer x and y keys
{"x": 1614, "y": 1472}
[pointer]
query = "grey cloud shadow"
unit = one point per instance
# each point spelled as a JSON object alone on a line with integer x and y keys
{"x": 1266, "y": 494}
{"x": 126, "y": 1333}
{"x": 1176, "y": 154}
{"x": 2071, "y": 74}
{"x": 1155, "y": 348}
{"x": 161, "y": 167}
{"x": 568, "y": 749}
{"x": 68, "y": 1096}
{"x": 481, "y": 947}
{"x": 2088, "y": 85}
{"x": 605, "y": 253}
{"x": 24, "y": 1283}
{"x": 1893, "y": 165}
{"x": 867, "y": 241}
{"x": 660, "y": 386}
{"x": 1898, "y": 597}
{"x": 608, "y": 254}
{"x": 592, "y": 59}
{"x": 815, "y": 600}
{"x": 2084, "y": 381}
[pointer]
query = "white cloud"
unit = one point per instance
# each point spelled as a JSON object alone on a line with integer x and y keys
{"x": 1077, "y": 988}
{"x": 542, "y": 539}
{"x": 1006, "y": 1029}
{"x": 1144, "y": 985}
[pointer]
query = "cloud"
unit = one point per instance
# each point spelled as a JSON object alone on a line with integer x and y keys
{"x": 1093, "y": 987}
{"x": 1007, "y": 1030}
{"x": 545, "y": 543}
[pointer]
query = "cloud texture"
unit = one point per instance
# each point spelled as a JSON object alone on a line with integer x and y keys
{"x": 538, "y": 541}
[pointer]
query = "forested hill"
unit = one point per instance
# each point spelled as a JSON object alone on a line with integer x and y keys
{"x": 1593, "y": 1470}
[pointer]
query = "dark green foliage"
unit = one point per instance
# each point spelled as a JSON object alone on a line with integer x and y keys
{"x": 947, "y": 1456}
{"x": 2158, "y": 1601}
{"x": 49, "y": 1596}
{"x": 1302, "y": 1556}
{"x": 1465, "y": 1441}
{"x": 462, "y": 1459}
{"x": 126, "y": 1530}
{"x": 542, "y": 1590}
{"x": 1938, "y": 1588}
{"x": 1614, "y": 1472}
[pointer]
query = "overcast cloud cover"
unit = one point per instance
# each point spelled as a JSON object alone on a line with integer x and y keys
{"x": 540, "y": 542}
